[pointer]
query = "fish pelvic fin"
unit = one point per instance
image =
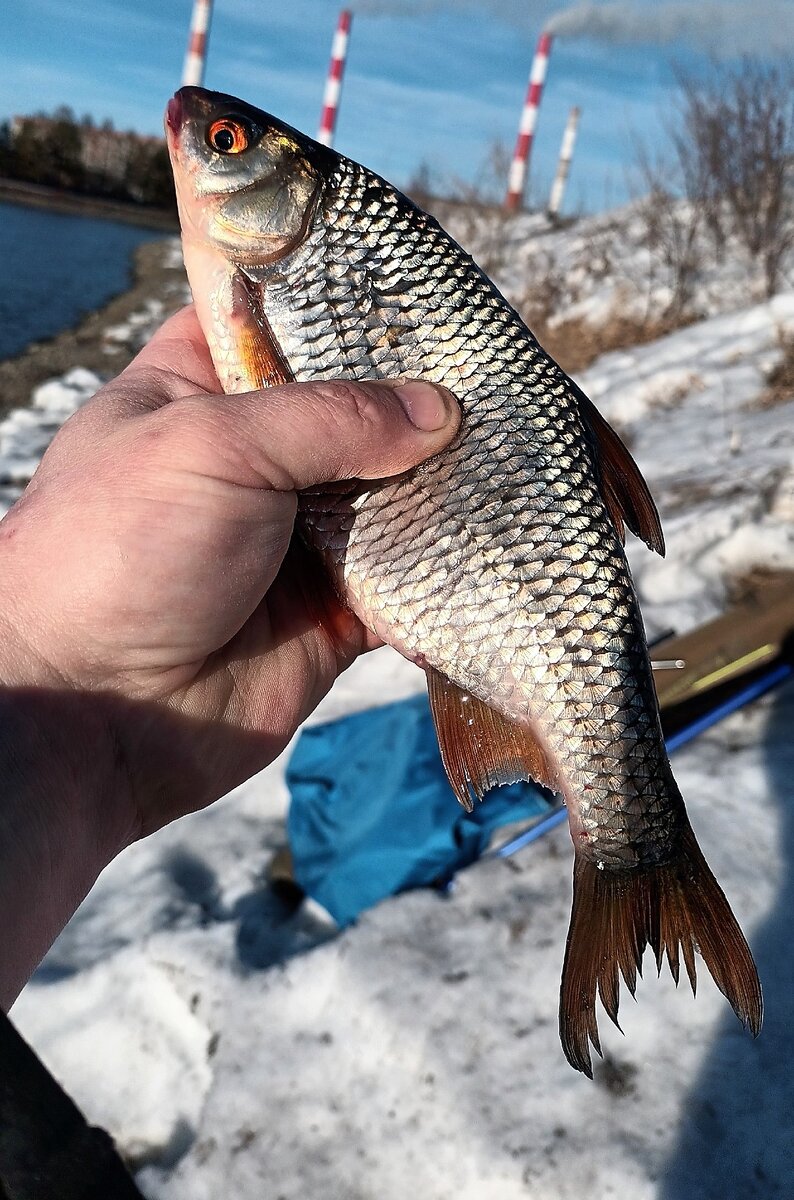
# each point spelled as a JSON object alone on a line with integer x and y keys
{"x": 676, "y": 908}
{"x": 623, "y": 488}
{"x": 480, "y": 748}
{"x": 261, "y": 360}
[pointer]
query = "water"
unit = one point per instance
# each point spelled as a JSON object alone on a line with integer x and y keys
{"x": 56, "y": 267}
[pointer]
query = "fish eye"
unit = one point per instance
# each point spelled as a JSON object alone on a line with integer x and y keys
{"x": 229, "y": 135}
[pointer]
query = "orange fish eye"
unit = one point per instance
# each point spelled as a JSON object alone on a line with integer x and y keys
{"x": 228, "y": 136}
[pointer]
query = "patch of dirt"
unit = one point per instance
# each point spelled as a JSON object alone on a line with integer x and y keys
{"x": 688, "y": 493}
{"x": 576, "y": 343}
{"x": 36, "y": 195}
{"x": 616, "y": 1077}
{"x": 779, "y": 381}
{"x": 752, "y": 585}
{"x": 158, "y": 276}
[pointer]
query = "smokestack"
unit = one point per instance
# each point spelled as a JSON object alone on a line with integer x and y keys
{"x": 526, "y": 130}
{"x": 333, "y": 86}
{"x": 563, "y": 166}
{"x": 196, "y": 57}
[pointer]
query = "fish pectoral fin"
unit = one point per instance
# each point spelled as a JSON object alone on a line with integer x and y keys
{"x": 480, "y": 748}
{"x": 625, "y": 492}
{"x": 260, "y": 355}
{"x": 674, "y": 906}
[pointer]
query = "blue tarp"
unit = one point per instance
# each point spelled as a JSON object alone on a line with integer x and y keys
{"x": 371, "y": 812}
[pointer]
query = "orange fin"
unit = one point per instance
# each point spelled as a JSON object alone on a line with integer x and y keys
{"x": 616, "y": 914}
{"x": 625, "y": 492}
{"x": 479, "y": 747}
{"x": 303, "y": 576}
{"x": 259, "y": 353}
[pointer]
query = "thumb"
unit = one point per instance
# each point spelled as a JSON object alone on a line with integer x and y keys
{"x": 299, "y": 435}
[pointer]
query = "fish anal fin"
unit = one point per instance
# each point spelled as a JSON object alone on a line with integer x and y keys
{"x": 259, "y": 354}
{"x": 480, "y": 748}
{"x": 625, "y": 492}
{"x": 672, "y": 907}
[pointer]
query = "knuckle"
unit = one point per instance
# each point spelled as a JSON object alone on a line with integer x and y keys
{"x": 365, "y": 402}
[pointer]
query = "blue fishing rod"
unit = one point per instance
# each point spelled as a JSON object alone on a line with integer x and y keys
{"x": 745, "y": 695}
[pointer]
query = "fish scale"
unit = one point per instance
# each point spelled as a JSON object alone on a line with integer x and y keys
{"x": 520, "y": 478}
{"x": 499, "y": 564}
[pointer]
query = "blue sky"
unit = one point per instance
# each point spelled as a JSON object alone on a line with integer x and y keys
{"x": 432, "y": 82}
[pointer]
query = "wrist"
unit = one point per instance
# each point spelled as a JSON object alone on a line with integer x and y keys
{"x": 63, "y": 816}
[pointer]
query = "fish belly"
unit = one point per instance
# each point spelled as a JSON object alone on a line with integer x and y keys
{"x": 512, "y": 583}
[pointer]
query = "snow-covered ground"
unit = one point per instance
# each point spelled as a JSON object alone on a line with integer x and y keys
{"x": 236, "y": 1046}
{"x": 625, "y": 262}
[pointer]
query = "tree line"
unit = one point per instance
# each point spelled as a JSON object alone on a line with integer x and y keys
{"x": 78, "y": 155}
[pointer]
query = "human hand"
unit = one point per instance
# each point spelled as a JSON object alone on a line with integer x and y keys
{"x": 151, "y": 603}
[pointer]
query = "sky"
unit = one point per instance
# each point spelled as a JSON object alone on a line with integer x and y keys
{"x": 427, "y": 82}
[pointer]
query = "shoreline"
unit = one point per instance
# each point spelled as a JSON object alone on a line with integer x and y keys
{"x": 34, "y": 195}
{"x": 106, "y": 340}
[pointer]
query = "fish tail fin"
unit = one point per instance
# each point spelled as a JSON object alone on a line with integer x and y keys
{"x": 675, "y": 906}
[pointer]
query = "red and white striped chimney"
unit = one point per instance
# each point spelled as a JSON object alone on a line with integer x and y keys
{"x": 526, "y": 130}
{"x": 333, "y": 85}
{"x": 196, "y": 57}
{"x": 564, "y": 164}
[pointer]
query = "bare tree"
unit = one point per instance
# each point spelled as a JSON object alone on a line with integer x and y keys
{"x": 673, "y": 227}
{"x": 735, "y": 142}
{"x": 745, "y": 125}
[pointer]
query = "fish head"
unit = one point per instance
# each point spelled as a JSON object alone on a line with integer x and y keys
{"x": 247, "y": 184}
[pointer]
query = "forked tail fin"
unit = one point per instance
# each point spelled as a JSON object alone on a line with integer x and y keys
{"x": 616, "y": 914}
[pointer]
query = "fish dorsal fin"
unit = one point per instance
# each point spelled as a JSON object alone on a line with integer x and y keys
{"x": 480, "y": 748}
{"x": 260, "y": 355}
{"x": 625, "y": 492}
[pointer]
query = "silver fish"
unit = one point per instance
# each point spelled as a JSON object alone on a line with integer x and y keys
{"x": 498, "y": 565}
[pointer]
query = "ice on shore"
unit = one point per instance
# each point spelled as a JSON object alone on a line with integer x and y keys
{"x": 138, "y": 325}
{"x": 27, "y": 432}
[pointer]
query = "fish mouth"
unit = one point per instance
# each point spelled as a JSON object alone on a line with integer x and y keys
{"x": 183, "y": 105}
{"x": 192, "y": 103}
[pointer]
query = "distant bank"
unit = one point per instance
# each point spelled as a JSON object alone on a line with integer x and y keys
{"x": 14, "y": 191}
{"x": 104, "y": 336}
{"x": 57, "y": 267}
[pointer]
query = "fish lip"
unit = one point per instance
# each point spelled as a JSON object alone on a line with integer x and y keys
{"x": 174, "y": 113}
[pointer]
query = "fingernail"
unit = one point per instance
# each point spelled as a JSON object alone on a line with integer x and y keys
{"x": 426, "y": 405}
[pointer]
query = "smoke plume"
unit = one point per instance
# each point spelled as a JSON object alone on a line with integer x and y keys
{"x": 727, "y": 27}
{"x": 722, "y": 27}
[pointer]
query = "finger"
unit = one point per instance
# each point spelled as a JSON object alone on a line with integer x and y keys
{"x": 303, "y": 434}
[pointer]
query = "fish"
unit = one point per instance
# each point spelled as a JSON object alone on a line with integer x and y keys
{"x": 498, "y": 565}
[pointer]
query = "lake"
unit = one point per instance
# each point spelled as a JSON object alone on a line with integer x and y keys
{"x": 55, "y": 267}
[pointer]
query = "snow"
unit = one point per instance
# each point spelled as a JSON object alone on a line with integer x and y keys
{"x": 720, "y": 466}
{"x": 602, "y": 267}
{"x": 26, "y": 432}
{"x": 236, "y": 1045}
{"x": 136, "y": 1001}
{"x": 137, "y": 322}
{"x": 420, "y": 1044}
